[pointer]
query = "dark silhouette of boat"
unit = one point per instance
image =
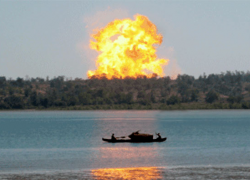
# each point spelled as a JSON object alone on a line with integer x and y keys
{"x": 135, "y": 137}
{"x": 132, "y": 141}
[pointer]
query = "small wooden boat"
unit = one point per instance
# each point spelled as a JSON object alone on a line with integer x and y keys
{"x": 135, "y": 137}
{"x": 134, "y": 141}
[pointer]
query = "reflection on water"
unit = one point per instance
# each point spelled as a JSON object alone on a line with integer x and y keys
{"x": 128, "y": 152}
{"x": 174, "y": 173}
{"x": 125, "y": 155}
{"x": 145, "y": 173}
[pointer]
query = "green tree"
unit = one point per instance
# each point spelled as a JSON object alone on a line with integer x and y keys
{"x": 246, "y": 105}
{"x": 19, "y": 82}
{"x": 153, "y": 99}
{"x": 27, "y": 92}
{"x": 85, "y": 98}
{"x": 234, "y": 99}
{"x": 194, "y": 95}
{"x": 129, "y": 98}
{"x": 34, "y": 98}
{"x": 141, "y": 94}
{"x": 2, "y": 81}
{"x": 11, "y": 91}
{"x": 72, "y": 100}
{"x": 211, "y": 96}
{"x": 44, "y": 102}
{"x": 14, "y": 102}
{"x": 173, "y": 100}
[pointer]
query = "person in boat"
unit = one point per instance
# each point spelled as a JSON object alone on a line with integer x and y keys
{"x": 159, "y": 136}
{"x": 136, "y": 132}
{"x": 113, "y": 137}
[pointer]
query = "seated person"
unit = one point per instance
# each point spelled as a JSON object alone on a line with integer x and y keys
{"x": 113, "y": 137}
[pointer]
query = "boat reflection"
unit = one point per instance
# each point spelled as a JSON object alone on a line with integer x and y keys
{"x": 145, "y": 173}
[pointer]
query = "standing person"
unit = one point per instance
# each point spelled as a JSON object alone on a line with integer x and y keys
{"x": 159, "y": 135}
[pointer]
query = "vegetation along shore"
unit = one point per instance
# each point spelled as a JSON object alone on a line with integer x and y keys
{"x": 230, "y": 90}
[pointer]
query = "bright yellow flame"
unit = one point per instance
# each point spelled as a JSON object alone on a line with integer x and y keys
{"x": 144, "y": 173}
{"x": 126, "y": 50}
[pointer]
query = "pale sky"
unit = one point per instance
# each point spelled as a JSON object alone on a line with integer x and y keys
{"x": 51, "y": 38}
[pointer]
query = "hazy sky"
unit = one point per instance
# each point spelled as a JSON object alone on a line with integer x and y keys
{"x": 51, "y": 38}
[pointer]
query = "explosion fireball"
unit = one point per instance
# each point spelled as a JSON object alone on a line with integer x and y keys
{"x": 127, "y": 50}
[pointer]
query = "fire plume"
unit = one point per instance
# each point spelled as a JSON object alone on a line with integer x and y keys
{"x": 126, "y": 50}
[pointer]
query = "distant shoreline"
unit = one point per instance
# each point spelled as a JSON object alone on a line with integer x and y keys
{"x": 229, "y": 90}
{"x": 183, "y": 106}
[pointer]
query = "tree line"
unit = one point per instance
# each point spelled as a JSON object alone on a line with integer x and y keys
{"x": 223, "y": 91}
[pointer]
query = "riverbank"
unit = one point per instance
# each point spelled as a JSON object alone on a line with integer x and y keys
{"x": 156, "y": 106}
{"x": 223, "y": 91}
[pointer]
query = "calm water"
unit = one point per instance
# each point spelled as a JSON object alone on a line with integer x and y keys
{"x": 68, "y": 145}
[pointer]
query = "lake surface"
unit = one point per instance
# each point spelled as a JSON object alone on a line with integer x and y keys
{"x": 209, "y": 144}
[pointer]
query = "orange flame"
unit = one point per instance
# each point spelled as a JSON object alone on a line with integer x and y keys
{"x": 127, "y": 50}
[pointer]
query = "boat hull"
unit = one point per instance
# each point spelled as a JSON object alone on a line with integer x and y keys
{"x": 133, "y": 141}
